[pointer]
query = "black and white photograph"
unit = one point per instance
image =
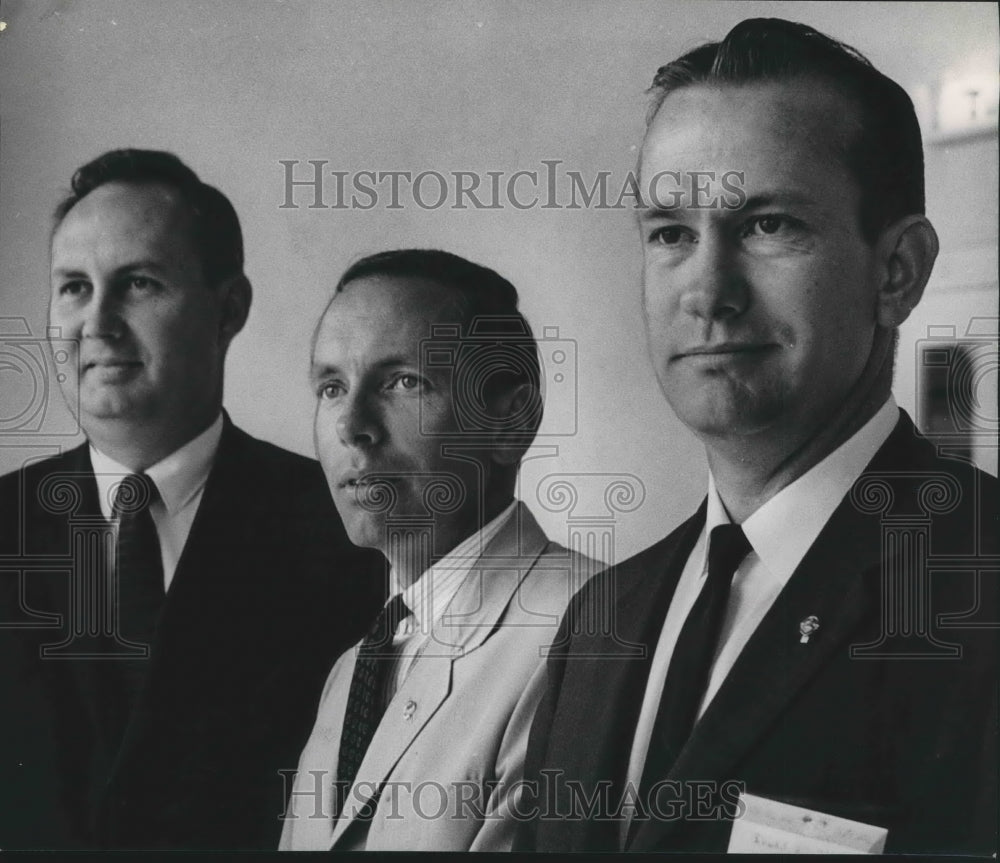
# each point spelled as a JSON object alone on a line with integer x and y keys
{"x": 499, "y": 425}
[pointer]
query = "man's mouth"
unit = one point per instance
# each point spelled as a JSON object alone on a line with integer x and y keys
{"x": 110, "y": 363}
{"x": 725, "y": 350}
{"x": 372, "y": 492}
{"x": 354, "y": 481}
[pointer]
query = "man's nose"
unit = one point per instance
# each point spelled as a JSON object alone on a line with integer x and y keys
{"x": 102, "y": 314}
{"x": 715, "y": 286}
{"x": 358, "y": 423}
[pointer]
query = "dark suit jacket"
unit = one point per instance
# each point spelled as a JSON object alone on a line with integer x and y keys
{"x": 838, "y": 724}
{"x": 267, "y": 593}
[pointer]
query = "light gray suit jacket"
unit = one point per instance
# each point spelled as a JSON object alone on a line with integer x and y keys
{"x": 449, "y": 751}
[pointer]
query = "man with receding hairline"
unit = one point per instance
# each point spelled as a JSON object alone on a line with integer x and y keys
{"x": 784, "y": 671}
{"x": 428, "y": 394}
{"x": 195, "y": 582}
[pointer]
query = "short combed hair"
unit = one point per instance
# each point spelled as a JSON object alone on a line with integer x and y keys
{"x": 215, "y": 225}
{"x": 886, "y": 157}
{"x": 492, "y": 324}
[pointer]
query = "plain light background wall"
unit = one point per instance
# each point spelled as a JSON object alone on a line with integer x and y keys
{"x": 234, "y": 86}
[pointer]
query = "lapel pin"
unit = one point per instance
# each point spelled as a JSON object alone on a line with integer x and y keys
{"x": 409, "y": 710}
{"x": 807, "y": 628}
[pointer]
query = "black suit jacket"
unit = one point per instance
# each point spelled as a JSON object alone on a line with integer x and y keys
{"x": 267, "y": 593}
{"x": 862, "y": 721}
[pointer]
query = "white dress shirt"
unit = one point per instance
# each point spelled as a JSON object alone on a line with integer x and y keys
{"x": 428, "y": 597}
{"x": 780, "y": 532}
{"x": 180, "y": 480}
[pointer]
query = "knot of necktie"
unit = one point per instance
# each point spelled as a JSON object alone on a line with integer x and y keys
{"x": 134, "y": 494}
{"x": 379, "y": 638}
{"x": 727, "y": 547}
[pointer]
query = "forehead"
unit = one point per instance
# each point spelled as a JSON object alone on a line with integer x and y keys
{"x": 789, "y": 132}
{"x": 377, "y": 318}
{"x": 122, "y": 220}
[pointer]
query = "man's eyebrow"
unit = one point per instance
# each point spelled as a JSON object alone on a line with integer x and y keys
{"x": 321, "y": 369}
{"x": 772, "y": 199}
{"x": 754, "y": 202}
{"x": 68, "y": 272}
{"x": 141, "y": 264}
{"x": 646, "y": 214}
{"x": 131, "y": 266}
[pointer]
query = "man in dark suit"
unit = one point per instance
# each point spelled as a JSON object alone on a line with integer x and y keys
{"x": 173, "y": 591}
{"x": 820, "y": 638}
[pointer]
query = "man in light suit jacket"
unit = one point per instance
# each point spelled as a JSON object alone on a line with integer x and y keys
{"x": 428, "y": 393}
{"x": 161, "y": 720}
{"x": 819, "y": 640}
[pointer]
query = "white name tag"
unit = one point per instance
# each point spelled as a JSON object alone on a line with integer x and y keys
{"x": 770, "y": 827}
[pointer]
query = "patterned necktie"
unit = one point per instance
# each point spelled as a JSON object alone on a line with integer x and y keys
{"x": 365, "y": 700}
{"x": 691, "y": 662}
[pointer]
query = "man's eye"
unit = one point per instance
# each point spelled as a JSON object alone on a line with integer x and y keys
{"x": 141, "y": 283}
{"x": 329, "y": 390}
{"x": 669, "y": 235}
{"x": 761, "y": 226}
{"x": 406, "y": 382}
{"x": 73, "y": 289}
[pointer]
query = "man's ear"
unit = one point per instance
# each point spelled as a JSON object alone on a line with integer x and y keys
{"x": 908, "y": 249}
{"x": 515, "y": 410}
{"x": 236, "y": 296}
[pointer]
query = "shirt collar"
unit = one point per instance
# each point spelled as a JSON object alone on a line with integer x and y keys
{"x": 715, "y": 514}
{"x": 783, "y": 529}
{"x": 178, "y": 477}
{"x": 428, "y": 596}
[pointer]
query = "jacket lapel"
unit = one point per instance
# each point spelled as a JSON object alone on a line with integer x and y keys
{"x": 90, "y": 674}
{"x": 615, "y": 664}
{"x": 73, "y": 664}
{"x": 469, "y": 619}
{"x": 219, "y": 510}
{"x": 73, "y": 472}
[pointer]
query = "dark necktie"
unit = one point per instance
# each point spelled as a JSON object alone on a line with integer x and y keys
{"x": 140, "y": 593}
{"x": 139, "y": 565}
{"x": 687, "y": 676}
{"x": 366, "y": 698}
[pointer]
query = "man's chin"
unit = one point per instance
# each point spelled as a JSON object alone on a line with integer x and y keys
{"x": 109, "y": 399}
{"x": 726, "y": 419}
{"x": 115, "y": 412}
{"x": 107, "y": 409}
{"x": 362, "y": 529}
